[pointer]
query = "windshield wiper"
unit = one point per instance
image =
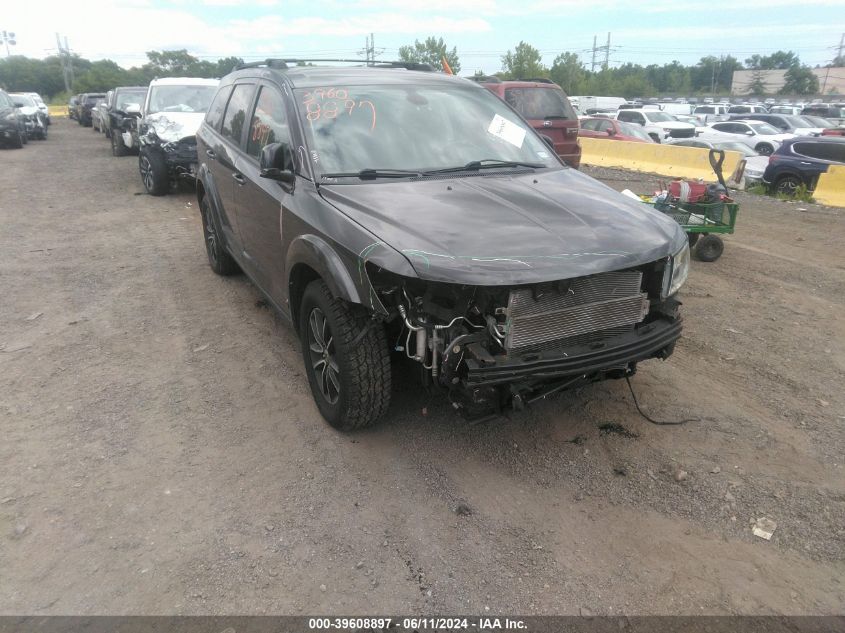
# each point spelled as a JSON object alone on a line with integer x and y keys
{"x": 486, "y": 163}
{"x": 372, "y": 174}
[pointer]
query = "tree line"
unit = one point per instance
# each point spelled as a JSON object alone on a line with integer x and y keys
{"x": 711, "y": 75}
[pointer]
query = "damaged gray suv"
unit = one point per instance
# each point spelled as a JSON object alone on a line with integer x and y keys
{"x": 393, "y": 210}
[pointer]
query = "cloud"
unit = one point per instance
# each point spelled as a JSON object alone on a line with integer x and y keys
{"x": 275, "y": 26}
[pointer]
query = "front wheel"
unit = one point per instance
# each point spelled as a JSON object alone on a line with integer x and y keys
{"x": 153, "y": 172}
{"x": 764, "y": 149}
{"x": 118, "y": 147}
{"x": 346, "y": 359}
{"x": 709, "y": 248}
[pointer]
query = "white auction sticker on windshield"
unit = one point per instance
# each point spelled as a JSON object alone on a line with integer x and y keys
{"x": 506, "y": 130}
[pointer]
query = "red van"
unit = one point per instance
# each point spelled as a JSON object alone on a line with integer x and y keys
{"x": 546, "y": 108}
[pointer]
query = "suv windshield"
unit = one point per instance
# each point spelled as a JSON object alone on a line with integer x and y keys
{"x": 764, "y": 128}
{"x": 658, "y": 116}
{"x": 539, "y": 103}
{"x": 126, "y": 97}
{"x": 180, "y": 98}
{"x": 413, "y": 127}
{"x": 23, "y": 101}
{"x": 91, "y": 99}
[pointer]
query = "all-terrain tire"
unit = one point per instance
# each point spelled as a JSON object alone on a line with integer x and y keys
{"x": 764, "y": 149}
{"x": 153, "y": 173}
{"x": 358, "y": 345}
{"x": 788, "y": 185}
{"x": 219, "y": 259}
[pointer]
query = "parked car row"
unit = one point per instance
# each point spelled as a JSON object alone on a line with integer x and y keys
{"x": 784, "y": 151}
{"x": 23, "y": 116}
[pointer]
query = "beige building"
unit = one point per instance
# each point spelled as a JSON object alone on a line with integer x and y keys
{"x": 831, "y": 80}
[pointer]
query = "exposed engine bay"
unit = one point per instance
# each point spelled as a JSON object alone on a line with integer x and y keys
{"x": 499, "y": 347}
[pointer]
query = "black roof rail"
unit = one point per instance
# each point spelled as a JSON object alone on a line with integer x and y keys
{"x": 284, "y": 64}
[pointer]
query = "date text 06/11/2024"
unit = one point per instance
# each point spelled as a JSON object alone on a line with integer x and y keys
{"x": 413, "y": 624}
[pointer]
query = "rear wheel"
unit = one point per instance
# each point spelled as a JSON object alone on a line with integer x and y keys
{"x": 153, "y": 173}
{"x": 788, "y": 185}
{"x": 218, "y": 257}
{"x": 764, "y": 149}
{"x": 709, "y": 248}
{"x": 346, "y": 359}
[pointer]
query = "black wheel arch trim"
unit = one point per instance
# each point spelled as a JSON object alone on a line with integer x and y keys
{"x": 318, "y": 254}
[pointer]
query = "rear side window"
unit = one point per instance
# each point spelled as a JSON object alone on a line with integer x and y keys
{"x": 269, "y": 122}
{"x": 234, "y": 120}
{"x": 834, "y": 152}
{"x": 630, "y": 117}
{"x": 218, "y": 106}
{"x": 705, "y": 110}
{"x": 540, "y": 103}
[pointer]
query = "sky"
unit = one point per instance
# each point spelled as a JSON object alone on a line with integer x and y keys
{"x": 650, "y": 31}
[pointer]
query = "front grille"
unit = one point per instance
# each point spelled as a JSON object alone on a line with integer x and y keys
{"x": 590, "y": 305}
{"x": 686, "y": 133}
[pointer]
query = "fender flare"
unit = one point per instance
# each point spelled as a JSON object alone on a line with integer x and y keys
{"x": 315, "y": 252}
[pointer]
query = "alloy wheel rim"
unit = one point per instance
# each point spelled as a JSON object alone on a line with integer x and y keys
{"x": 210, "y": 235}
{"x": 147, "y": 173}
{"x": 322, "y": 352}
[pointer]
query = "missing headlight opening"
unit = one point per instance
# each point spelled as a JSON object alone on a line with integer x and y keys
{"x": 494, "y": 348}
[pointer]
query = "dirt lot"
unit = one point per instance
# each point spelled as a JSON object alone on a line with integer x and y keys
{"x": 161, "y": 453}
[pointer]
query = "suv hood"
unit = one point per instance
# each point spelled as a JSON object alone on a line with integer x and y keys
{"x": 500, "y": 229}
{"x": 28, "y": 110}
{"x": 174, "y": 126}
{"x": 673, "y": 125}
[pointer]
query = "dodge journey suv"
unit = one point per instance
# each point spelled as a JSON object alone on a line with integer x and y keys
{"x": 391, "y": 209}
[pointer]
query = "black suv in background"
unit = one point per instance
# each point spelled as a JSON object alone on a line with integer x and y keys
{"x": 87, "y": 102}
{"x": 72, "y": 107}
{"x": 123, "y": 112}
{"x": 376, "y": 205}
{"x": 800, "y": 161}
{"x": 12, "y": 125}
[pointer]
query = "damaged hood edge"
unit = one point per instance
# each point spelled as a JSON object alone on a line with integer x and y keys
{"x": 174, "y": 126}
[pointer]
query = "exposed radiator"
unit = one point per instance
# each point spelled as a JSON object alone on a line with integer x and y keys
{"x": 591, "y": 304}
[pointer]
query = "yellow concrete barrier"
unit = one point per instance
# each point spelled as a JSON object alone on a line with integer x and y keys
{"x": 656, "y": 158}
{"x": 831, "y": 187}
{"x": 59, "y": 111}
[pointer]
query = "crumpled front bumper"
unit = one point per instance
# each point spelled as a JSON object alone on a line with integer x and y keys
{"x": 651, "y": 340}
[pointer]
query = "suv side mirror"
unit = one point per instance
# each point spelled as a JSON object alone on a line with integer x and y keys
{"x": 132, "y": 108}
{"x": 276, "y": 163}
{"x": 749, "y": 133}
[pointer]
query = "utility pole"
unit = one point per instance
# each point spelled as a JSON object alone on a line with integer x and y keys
{"x": 65, "y": 61}
{"x": 369, "y": 51}
{"x": 8, "y": 37}
{"x": 841, "y": 46}
{"x": 606, "y": 49}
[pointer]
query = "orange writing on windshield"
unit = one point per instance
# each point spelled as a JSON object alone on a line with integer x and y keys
{"x": 329, "y": 103}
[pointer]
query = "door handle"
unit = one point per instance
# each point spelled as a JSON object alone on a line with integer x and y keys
{"x": 805, "y": 163}
{"x": 239, "y": 178}
{"x": 210, "y": 153}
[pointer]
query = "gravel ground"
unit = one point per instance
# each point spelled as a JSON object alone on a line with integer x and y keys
{"x": 161, "y": 452}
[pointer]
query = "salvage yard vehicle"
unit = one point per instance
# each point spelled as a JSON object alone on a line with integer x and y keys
{"x": 72, "y": 104}
{"x": 546, "y": 108}
{"x": 34, "y": 121}
{"x": 12, "y": 125}
{"x": 752, "y": 165}
{"x": 759, "y": 136}
{"x": 658, "y": 125}
{"x": 800, "y": 161}
{"x": 784, "y": 123}
{"x": 122, "y": 115}
{"x": 45, "y": 110}
{"x": 98, "y": 112}
{"x": 613, "y": 130}
{"x": 375, "y": 205}
{"x": 87, "y": 102}
{"x": 166, "y": 132}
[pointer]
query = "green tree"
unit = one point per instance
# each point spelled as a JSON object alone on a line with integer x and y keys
{"x": 568, "y": 73}
{"x": 431, "y": 51}
{"x": 800, "y": 80}
{"x": 758, "y": 84}
{"x": 781, "y": 60}
{"x": 524, "y": 62}
{"x": 170, "y": 63}
{"x": 101, "y": 76}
